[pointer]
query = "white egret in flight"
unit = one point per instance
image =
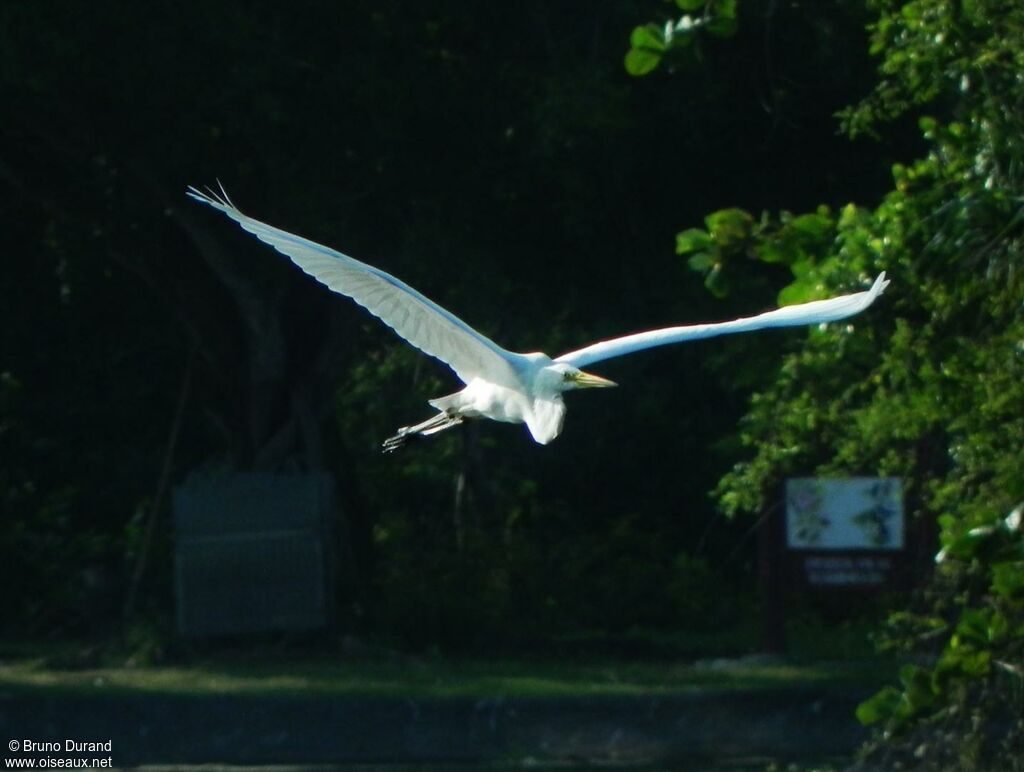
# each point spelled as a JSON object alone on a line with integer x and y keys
{"x": 500, "y": 385}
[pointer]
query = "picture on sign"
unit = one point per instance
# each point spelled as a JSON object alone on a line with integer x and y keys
{"x": 844, "y": 513}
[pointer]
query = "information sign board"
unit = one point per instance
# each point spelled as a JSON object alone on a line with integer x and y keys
{"x": 848, "y": 513}
{"x": 847, "y": 531}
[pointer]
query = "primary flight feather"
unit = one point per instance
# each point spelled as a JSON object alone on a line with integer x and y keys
{"x": 500, "y": 385}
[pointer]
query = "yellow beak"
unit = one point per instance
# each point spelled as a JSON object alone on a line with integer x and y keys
{"x": 590, "y": 381}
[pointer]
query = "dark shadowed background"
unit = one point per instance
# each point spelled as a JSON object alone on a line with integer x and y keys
{"x": 496, "y": 156}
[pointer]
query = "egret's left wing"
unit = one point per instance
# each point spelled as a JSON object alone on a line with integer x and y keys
{"x": 814, "y": 312}
{"x": 415, "y": 317}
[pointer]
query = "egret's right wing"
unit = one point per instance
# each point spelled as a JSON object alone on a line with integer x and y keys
{"x": 409, "y": 313}
{"x": 815, "y": 312}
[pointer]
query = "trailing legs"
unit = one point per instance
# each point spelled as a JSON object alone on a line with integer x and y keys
{"x": 433, "y": 425}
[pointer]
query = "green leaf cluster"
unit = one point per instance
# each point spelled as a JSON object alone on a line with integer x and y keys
{"x": 929, "y": 384}
{"x": 721, "y": 253}
{"x": 728, "y": 235}
{"x": 650, "y": 44}
{"x": 978, "y": 643}
{"x": 926, "y": 385}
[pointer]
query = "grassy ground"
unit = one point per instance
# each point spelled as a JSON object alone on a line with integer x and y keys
{"x": 820, "y": 658}
{"x": 434, "y": 678}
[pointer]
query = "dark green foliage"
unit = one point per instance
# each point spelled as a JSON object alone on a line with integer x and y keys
{"x": 928, "y": 385}
{"x": 965, "y": 707}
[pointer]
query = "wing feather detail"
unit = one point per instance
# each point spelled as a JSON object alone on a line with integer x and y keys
{"x": 815, "y": 312}
{"x": 413, "y": 316}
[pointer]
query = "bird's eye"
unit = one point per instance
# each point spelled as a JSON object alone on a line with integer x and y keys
{"x": 568, "y": 376}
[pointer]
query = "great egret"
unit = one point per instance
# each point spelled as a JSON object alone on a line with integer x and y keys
{"x": 500, "y": 385}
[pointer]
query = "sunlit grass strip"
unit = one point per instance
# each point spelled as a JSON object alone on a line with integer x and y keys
{"x": 441, "y": 680}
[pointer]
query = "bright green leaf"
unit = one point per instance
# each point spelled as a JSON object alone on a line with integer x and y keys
{"x": 998, "y": 629}
{"x": 649, "y": 36}
{"x": 797, "y": 292}
{"x": 774, "y": 251}
{"x": 880, "y": 707}
{"x": 972, "y": 543}
{"x": 641, "y": 61}
{"x": 812, "y": 226}
{"x": 702, "y": 262}
{"x": 973, "y": 626}
{"x": 976, "y": 664}
{"x": 729, "y": 227}
{"x": 917, "y": 688}
{"x": 726, "y": 9}
{"x": 693, "y": 239}
{"x": 723, "y": 22}
{"x": 1008, "y": 580}
{"x": 716, "y": 282}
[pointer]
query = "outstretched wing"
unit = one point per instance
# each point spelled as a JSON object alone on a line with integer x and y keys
{"x": 419, "y": 320}
{"x": 814, "y": 312}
